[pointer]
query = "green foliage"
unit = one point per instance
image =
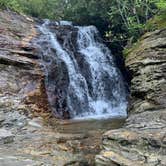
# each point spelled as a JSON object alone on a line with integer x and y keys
{"x": 161, "y": 4}
{"x": 3, "y": 3}
{"x": 12, "y": 4}
{"x": 158, "y": 22}
{"x": 39, "y": 8}
{"x": 128, "y": 20}
{"x": 121, "y": 22}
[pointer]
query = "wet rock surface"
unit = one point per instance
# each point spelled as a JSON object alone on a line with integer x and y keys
{"x": 37, "y": 144}
{"x": 26, "y": 139}
{"x": 6, "y": 136}
{"x": 22, "y": 80}
{"x": 26, "y": 136}
{"x": 82, "y": 78}
{"x": 142, "y": 140}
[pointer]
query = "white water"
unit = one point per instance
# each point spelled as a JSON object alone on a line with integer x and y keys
{"x": 102, "y": 95}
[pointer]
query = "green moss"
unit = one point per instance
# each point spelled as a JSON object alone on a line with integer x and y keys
{"x": 158, "y": 22}
{"x": 127, "y": 50}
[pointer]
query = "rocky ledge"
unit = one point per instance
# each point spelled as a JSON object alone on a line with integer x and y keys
{"x": 22, "y": 80}
{"x": 142, "y": 141}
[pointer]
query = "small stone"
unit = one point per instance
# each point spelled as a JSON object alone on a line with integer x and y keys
{"x": 37, "y": 123}
{"x": 6, "y": 136}
{"x": 2, "y": 119}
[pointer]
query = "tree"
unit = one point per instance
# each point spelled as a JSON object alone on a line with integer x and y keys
{"x": 119, "y": 21}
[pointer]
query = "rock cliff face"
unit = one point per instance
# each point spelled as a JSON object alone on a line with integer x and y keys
{"x": 147, "y": 63}
{"x": 142, "y": 141}
{"x": 22, "y": 81}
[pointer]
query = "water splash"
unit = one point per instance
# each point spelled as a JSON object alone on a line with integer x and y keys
{"x": 96, "y": 89}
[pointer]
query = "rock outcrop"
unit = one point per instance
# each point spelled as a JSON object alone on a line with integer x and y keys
{"x": 142, "y": 141}
{"x": 22, "y": 80}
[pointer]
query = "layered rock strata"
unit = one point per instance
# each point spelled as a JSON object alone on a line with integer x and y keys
{"x": 22, "y": 80}
{"x": 142, "y": 141}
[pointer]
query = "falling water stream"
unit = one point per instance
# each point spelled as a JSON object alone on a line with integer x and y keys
{"x": 95, "y": 89}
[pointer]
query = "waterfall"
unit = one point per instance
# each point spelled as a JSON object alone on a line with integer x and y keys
{"x": 86, "y": 82}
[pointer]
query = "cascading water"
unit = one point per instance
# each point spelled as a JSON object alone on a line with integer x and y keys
{"x": 86, "y": 82}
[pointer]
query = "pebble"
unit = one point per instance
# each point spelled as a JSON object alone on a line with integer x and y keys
{"x": 6, "y": 136}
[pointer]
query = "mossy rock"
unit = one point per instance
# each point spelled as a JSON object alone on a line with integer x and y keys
{"x": 158, "y": 22}
{"x": 128, "y": 50}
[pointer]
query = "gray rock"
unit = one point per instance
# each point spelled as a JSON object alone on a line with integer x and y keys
{"x": 147, "y": 63}
{"x": 9, "y": 160}
{"x": 6, "y": 136}
{"x": 142, "y": 140}
{"x": 2, "y": 118}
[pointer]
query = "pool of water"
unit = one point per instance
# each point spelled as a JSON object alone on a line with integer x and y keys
{"x": 84, "y": 137}
{"x": 88, "y": 126}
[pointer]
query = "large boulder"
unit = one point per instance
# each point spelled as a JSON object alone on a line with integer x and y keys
{"x": 142, "y": 141}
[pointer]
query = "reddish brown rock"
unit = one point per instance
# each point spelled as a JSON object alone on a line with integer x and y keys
{"x": 22, "y": 80}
